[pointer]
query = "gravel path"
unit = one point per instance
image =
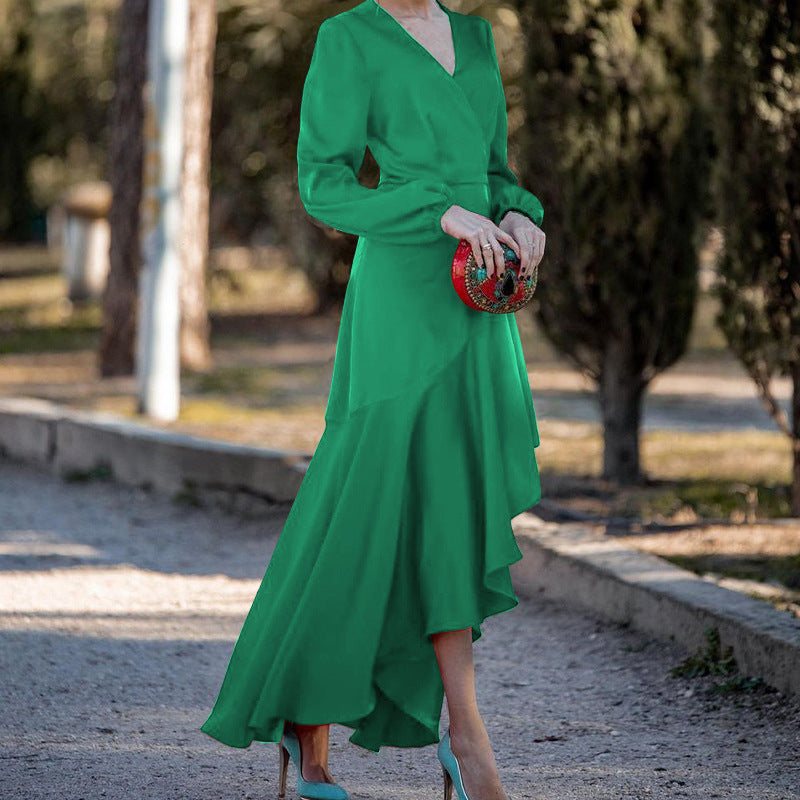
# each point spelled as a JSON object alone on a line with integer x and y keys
{"x": 119, "y": 609}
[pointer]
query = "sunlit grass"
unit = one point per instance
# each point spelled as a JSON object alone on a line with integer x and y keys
{"x": 756, "y": 567}
{"x": 243, "y": 381}
{"x": 706, "y": 474}
{"x": 35, "y": 314}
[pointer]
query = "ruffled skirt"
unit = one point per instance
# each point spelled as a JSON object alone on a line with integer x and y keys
{"x": 401, "y": 529}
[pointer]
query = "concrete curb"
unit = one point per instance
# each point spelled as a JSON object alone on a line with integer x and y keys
{"x": 72, "y": 441}
{"x": 567, "y": 562}
{"x": 570, "y": 563}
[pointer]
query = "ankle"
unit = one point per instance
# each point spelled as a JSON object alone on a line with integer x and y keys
{"x": 469, "y": 731}
{"x": 313, "y": 741}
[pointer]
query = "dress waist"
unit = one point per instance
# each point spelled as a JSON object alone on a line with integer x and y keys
{"x": 449, "y": 180}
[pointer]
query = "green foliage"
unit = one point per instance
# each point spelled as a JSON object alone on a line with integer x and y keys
{"x": 617, "y": 146}
{"x": 21, "y": 120}
{"x": 55, "y": 63}
{"x": 712, "y": 660}
{"x": 785, "y": 570}
{"x": 189, "y": 495}
{"x": 59, "y": 338}
{"x": 99, "y": 472}
{"x": 262, "y": 55}
{"x": 235, "y": 379}
{"x": 755, "y": 77}
{"x": 739, "y": 683}
{"x": 720, "y": 499}
{"x": 711, "y": 498}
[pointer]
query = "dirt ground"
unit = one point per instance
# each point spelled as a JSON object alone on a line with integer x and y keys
{"x": 119, "y": 610}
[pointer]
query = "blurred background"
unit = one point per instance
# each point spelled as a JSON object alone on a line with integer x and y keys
{"x": 663, "y": 344}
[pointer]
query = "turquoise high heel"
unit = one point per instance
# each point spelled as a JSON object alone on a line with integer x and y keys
{"x": 451, "y": 772}
{"x": 289, "y": 746}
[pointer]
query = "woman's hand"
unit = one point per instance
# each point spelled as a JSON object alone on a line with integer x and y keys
{"x": 530, "y": 237}
{"x": 479, "y": 231}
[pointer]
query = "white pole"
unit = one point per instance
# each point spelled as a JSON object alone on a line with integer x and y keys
{"x": 158, "y": 353}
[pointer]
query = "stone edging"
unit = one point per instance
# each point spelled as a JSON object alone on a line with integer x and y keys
{"x": 72, "y": 441}
{"x": 570, "y": 563}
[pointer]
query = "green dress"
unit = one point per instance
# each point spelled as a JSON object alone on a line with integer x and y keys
{"x": 401, "y": 526}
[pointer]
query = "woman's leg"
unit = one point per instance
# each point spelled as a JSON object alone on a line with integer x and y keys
{"x": 314, "y": 748}
{"x": 469, "y": 738}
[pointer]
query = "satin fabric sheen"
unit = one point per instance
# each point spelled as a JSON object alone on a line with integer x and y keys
{"x": 401, "y": 526}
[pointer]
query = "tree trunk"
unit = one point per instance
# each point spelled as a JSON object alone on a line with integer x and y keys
{"x": 120, "y": 295}
{"x": 621, "y": 391}
{"x": 194, "y": 337}
{"x": 796, "y": 439}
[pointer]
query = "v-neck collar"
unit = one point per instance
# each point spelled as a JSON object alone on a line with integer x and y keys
{"x": 422, "y": 47}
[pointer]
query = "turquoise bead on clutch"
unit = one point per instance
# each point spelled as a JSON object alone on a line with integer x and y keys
{"x": 501, "y": 294}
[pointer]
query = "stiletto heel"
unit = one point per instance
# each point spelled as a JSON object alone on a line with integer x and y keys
{"x": 308, "y": 790}
{"x": 450, "y": 769}
{"x": 448, "y": 784}
{"x": 284, "y": 754}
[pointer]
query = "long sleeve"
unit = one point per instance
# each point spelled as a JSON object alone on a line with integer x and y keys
{"x": 330, "y": 149}
{"x": 505, "y": 192}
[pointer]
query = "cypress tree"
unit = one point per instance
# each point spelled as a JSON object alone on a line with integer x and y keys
{"x": 21, "y": 121}
{"x": 616, "y": 143}
{"x": 755, "y": 76}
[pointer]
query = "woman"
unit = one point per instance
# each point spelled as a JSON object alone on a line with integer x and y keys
{"x": 399, "y": 541}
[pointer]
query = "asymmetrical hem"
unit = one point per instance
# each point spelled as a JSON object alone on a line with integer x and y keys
{"x": 401, "y": 527}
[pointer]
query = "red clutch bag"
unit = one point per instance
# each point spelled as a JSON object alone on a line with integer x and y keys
{"x": 501, "y": 294}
